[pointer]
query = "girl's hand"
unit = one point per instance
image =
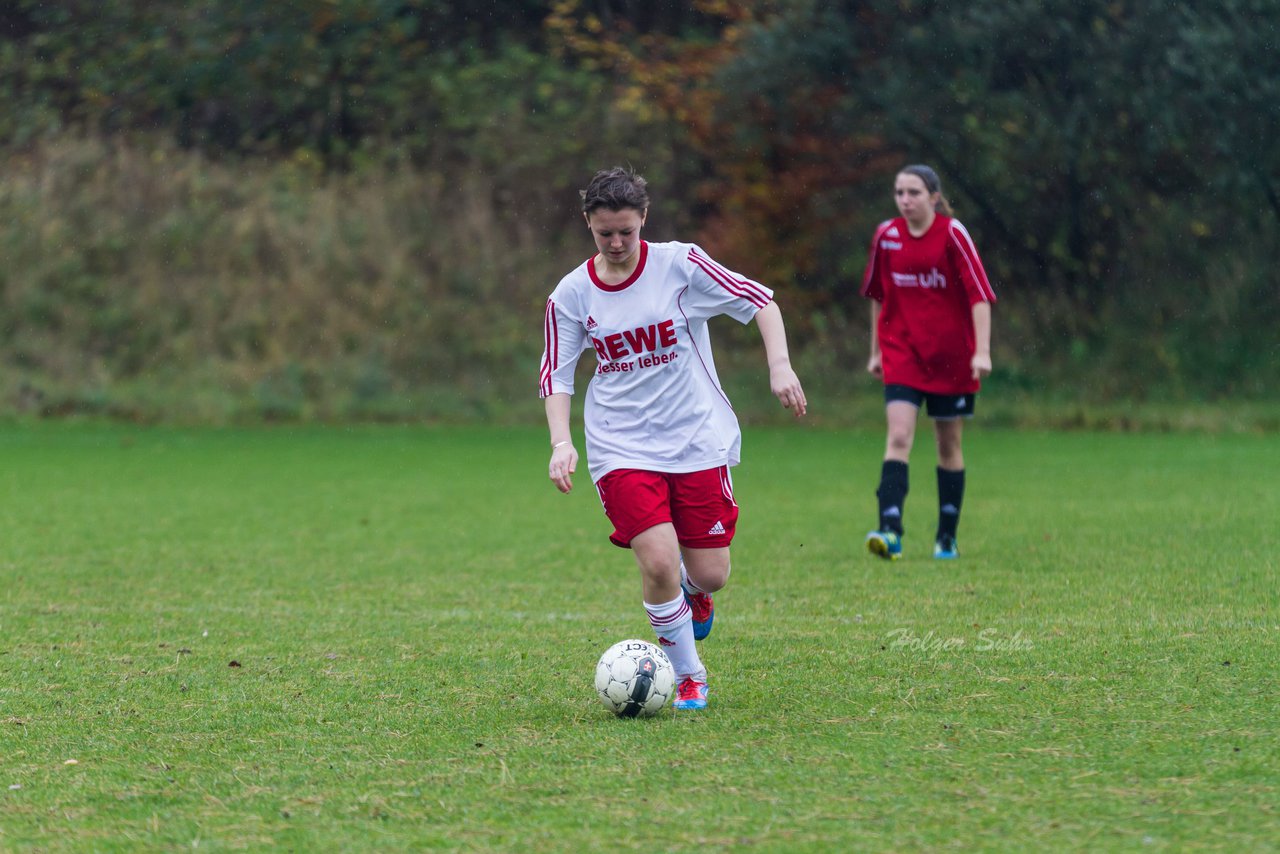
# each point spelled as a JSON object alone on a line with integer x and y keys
{"x": 981, "y": 365}
{"x": 564, "y": 462}
{"x": 786, "y": 387}
{"x": 873, "y": 365}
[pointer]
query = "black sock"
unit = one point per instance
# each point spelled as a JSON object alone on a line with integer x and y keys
{"x": 892, "y": 494}
{"x": 950, "y": 498}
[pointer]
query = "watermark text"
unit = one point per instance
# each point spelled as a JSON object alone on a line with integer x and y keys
{"x": 931, "y": 643}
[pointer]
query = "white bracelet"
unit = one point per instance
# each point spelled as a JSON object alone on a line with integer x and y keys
{"x": 558, "y": 444}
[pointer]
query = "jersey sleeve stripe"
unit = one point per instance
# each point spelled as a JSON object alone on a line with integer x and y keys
{"x": 873, "y": 260}
{"x": 969, "y": 252}
{"x": 740, "y": 286}
{"x": 551, "y": 353}
{"x": 745, "y": 288}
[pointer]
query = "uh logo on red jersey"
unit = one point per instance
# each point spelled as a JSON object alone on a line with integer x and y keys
{"x": 932, "y": 279}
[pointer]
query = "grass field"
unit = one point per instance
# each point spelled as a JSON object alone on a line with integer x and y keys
{"x": 329, "y": 639}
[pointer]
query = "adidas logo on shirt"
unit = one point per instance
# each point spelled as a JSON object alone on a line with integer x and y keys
{"x": 591, "y": 323}
{"x": 717, "y": 528}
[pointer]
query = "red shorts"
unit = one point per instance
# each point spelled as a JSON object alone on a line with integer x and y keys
{"x": 699, "y": 504}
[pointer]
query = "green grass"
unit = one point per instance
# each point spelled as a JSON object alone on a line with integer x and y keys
{"x": 415, "y": 615}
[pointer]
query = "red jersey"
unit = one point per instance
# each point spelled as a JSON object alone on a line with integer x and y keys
{"x": 927, "y": 287}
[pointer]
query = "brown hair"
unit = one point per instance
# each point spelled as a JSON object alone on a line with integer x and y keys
{"x": 932, "y": 183}
{"x": 616, "y": 189}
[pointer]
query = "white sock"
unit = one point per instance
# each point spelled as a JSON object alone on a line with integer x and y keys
{"x": 673, "y": 624}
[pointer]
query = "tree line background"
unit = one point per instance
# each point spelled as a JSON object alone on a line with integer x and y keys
{"x": 334, "y": 209}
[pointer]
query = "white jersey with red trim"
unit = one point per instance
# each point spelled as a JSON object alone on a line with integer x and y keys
{"x": 655, "y": 401}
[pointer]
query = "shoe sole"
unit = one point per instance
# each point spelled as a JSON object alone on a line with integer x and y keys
{"x": 690, "y": 705}
{"x": 940, "y": 554}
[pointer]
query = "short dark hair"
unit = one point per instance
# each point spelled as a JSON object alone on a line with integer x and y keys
{"x": 616, "y": 189}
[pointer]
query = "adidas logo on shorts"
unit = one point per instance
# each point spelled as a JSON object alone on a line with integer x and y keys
{"x": 717, "y": 528}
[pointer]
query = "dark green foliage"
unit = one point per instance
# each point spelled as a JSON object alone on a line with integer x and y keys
{"x": 1116, "y": 161}
{"x": 249, "y": 76}
{"x": 322, "y": 207}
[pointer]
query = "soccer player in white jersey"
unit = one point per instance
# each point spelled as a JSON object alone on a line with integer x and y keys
{"x": 660, "y": 433}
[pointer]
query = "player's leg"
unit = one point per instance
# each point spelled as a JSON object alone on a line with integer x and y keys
{"x": 705, "y": 572}
{"x": 706, "y": 517}
{"x": 949, "y": 432}
{"x": 901, "y": 419}
{"x": 657, "y": 554}
{"x": 638, "y": 503}
{"x": 901, "y": 409}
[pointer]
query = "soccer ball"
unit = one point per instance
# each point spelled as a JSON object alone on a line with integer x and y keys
{"x": 634, "y": 678}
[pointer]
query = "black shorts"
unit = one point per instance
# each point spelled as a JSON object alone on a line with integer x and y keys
{"x": 940, "y": 406}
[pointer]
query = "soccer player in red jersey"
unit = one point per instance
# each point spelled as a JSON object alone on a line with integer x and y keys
{"x": 660, "y": 433}
{"x": 930, "y": 343}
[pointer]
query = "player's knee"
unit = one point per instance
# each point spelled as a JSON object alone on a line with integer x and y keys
{"x": 900, "y": 442}
{"x": 713, "y": 581}
{"x": 949, "y": 453}
{"x": 709, "y": 575}
{"x": 658, "y": 574}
